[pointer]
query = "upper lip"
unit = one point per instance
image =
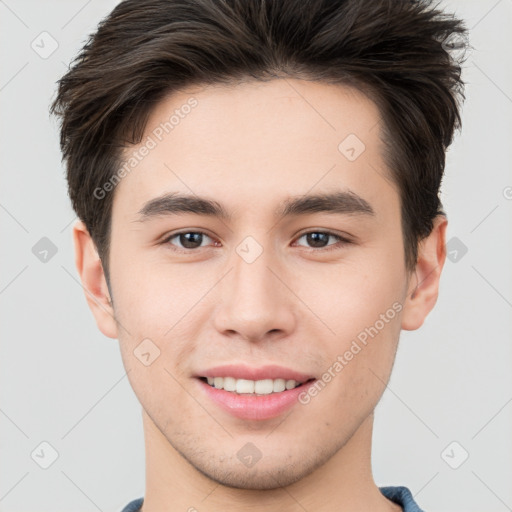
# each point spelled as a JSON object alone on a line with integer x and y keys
{"x": 241, "y": 371}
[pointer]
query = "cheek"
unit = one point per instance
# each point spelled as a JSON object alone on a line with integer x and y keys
{"x": 157, "y": 303}
{"x": 151, "y": 296}
{"x": 359, "y": 357}
{"x": 361, "y": 304}
{"x": 351, "y": 298}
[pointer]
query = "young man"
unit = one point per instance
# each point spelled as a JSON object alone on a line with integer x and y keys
{"x": 257, "y": 185}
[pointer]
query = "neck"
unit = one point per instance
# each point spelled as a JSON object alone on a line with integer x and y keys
{"x": 344, "y": 483}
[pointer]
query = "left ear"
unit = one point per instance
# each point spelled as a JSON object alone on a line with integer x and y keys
{"x": 424, "y": 283}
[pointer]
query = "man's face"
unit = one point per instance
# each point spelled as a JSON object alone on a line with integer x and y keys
{"x": 257, "y": 289}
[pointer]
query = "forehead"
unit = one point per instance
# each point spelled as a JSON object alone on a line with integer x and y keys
{"x": 256, "y": 140}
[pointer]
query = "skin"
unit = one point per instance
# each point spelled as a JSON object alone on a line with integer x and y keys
{"x": 249, "y": 147}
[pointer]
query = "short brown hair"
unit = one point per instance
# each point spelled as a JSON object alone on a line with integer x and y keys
{"x": 395, "y": 51}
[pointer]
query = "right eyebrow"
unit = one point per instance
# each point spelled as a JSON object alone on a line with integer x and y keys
{"x": 169, "y": 204}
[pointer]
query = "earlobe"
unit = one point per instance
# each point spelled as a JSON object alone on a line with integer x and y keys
{"x": 424, "y": 283}
{"x": 91, "y": 273}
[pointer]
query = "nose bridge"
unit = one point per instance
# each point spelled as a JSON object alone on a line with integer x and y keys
{"x": 253, "y": 281}
{"x": 253, "y": 301}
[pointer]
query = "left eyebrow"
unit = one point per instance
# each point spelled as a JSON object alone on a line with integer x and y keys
{"x": 341, "y": 202}
{"x": 344, "y": 201}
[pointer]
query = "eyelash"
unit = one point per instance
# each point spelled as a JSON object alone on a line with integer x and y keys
{"x": 342, "y": 241}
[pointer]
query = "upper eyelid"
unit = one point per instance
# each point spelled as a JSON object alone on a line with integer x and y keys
{"x": 343, "y": 238}
{"x": 167, "y": 238}
{"x": 325, "y": 231}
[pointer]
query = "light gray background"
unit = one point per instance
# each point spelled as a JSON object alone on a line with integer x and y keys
{"x": 62, "y": 382}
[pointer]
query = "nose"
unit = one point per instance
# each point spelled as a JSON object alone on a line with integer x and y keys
{"x": 255, "y": 301}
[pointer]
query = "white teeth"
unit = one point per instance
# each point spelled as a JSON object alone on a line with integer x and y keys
{"x": 229, "y": 384}
{"x": 290, "y": 384}
{"x": 258, "y": 387}
{"x": 279, "y": 385}
{"x": 244, "y": 386}
{"x": 264, "y": 387}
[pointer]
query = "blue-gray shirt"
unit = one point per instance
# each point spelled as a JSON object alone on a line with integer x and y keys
{"x": 400, "y": 495}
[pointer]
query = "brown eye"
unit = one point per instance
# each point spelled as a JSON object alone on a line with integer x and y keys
{"x": 188, "y": 239}
{"x": 320, "y": 239}
{"x": 317, "y": 239}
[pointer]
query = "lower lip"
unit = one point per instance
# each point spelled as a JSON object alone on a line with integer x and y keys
{"x": 255, "y": 407}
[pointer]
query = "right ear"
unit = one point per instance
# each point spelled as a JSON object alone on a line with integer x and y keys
{"x": 91, "y": 273}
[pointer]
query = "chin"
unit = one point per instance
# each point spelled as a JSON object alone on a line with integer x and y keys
{"x": 251, "y": 479}
{"x": 268, "y": 473}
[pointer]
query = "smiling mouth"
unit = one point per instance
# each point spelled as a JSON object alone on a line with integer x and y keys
{"x": 252, "y": 387}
